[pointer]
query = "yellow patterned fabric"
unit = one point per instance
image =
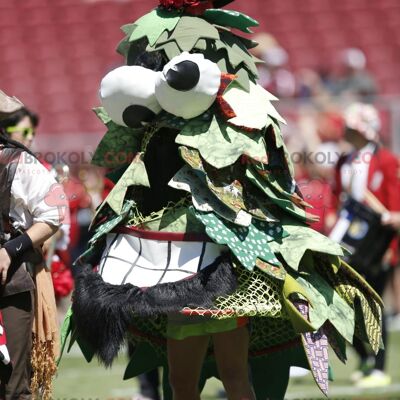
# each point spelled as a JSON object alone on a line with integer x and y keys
{"x": 356, "y": 291}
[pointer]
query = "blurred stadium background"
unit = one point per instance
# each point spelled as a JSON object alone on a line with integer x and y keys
{"x": 55, "y": 52}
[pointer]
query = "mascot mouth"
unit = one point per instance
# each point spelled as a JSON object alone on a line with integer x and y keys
{"x": 162, "y": 161}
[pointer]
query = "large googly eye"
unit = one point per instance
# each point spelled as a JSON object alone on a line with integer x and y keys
{"x": 188, "y": 85}
{"x": 127, "y": 94}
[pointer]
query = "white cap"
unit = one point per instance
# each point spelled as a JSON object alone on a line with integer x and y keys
{"x": 363, "y": 118}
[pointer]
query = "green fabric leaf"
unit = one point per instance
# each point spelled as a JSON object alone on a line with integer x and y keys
{"x": 290, "y": 288}
{"x": 253, "y": 109}
{"x": 233, "y": 19}
{"x": 226, "y": 185}
{"x": 128, "y": 28}
{"x": 136, "y": 175}
{"x": 189, "y": 30}
{"x": 175, "y": 219}
{"x": 222, "y": 65}
{"x": 285, "y": 204}
{"x": 144, "y": 358}
{"x": 171, "y": 49}
{"x": 246, "y": 243}
{"x": 237, "y": 51}
{"x": 86, "y": 349}
{"x": 112, "y": 222}
{"x": 303, "y": 238}
{"x": 201, "y": 44}
{"x": 219, "y": 144}
{"x": 65, "y": 332}
{"x": 249, "y": 43}
{"x": 280, "y": 143}
{"x": 123, "y": 47}
{"x": 236, "y": 54}
{"x": 203, "y": 199}
{"x": 118, "y": 145}
{"x": 165, "y": 119}
{"x": 153, "y": 24}
{"x": 327, "y": 305}
{"x": 242, "y": 79}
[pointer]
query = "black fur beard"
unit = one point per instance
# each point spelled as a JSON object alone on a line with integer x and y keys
{"x": 103, "y": 312}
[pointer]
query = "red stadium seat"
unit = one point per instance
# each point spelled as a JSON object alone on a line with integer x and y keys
{"x": 61, "y": 49}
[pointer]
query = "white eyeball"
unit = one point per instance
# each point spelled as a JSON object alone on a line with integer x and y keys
{"x": 127, "y": 94}
{"x": 188, "y": 85}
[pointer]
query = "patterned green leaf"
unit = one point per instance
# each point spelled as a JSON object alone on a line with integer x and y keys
{"x": 219, "y": 144}
{"x": 226, "y": 185}
{"x": 327, "y": 305}
{"x": 246, "y": 243}
{"x": 205, "y": 200}
{"x": 119, "y": 144}
{"x": 112, "y": 222}
{"x": 135, "y": 174}
{"x": 284, "y": 203}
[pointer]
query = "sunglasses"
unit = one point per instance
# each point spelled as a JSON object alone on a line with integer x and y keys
{"x": 25, "y": 131}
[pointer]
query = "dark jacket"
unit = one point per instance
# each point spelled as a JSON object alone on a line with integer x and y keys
{"x": 18, "y": 279}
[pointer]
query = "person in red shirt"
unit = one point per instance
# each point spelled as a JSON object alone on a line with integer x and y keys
{"x": 370, "y": 169}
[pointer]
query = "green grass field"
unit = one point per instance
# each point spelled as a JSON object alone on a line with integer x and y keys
{"x": 78, "y": 380}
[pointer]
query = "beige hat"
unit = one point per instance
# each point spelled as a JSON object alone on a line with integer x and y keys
{"x": 8, "y": 105}
{"x": 265, "y": 41}
{"x": 364, "y": 118}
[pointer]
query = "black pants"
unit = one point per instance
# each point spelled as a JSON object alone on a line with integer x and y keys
{"x": 18, "y": 312}
{"x": 378, "y": 281}
{"x": 149, "y": 382}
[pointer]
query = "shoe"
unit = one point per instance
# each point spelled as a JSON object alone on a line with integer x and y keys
{"x": 297, "y": 372}
{"x": 356, "y": 376}
{"x": 364, "y": 369}
{"x": 394, "y": 323}
{"x": 375, "y": 379}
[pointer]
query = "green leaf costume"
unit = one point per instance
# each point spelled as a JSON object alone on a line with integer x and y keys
{"x": 233, "y": 186}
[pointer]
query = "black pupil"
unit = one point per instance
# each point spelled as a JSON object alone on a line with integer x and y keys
{"x": 184, "y": 76}
{"x": 134, "y": 115}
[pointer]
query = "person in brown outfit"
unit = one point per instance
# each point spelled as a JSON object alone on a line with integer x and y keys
{"x": 29, "y": 216}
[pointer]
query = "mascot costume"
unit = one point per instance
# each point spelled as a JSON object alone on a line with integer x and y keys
{"x": 205, "y": 226}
